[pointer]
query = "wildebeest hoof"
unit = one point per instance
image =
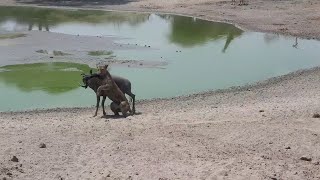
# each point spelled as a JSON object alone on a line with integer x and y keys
{"x": 95, "y": 115}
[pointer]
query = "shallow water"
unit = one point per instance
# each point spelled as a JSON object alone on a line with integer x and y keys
{"x": 213, "y": 56}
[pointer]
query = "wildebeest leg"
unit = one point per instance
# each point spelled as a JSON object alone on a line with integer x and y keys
{"x": 102, "y": 104}
{"x": 97, "y": 106}
{"x": 133, "y": 102}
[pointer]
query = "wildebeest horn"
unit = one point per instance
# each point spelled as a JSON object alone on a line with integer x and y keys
{"x": 82, "y": 86}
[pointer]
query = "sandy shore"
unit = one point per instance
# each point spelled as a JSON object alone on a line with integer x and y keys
{"x": 295, "y": 17}
{"x": 263, "y": 131}
{"x": 255, "y": 132}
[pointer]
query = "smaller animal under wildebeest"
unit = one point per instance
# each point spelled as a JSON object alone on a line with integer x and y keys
{"x": 94, "y": 81}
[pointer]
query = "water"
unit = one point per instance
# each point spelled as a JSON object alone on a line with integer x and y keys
{"x": 213, "y": 56}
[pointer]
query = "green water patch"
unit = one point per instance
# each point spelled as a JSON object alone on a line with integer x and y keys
{"x": 100, "y": 53}
{"x": 53, "y": 78}
{"x": 12, "y": 36}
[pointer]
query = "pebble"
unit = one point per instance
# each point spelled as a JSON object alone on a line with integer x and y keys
{"x": 316, "y": 115}
{"x": 305, "y": 158}
{"x": 288, "y": 147}
{"x": 14, "y": 159}
{"x": 42, "y": 145}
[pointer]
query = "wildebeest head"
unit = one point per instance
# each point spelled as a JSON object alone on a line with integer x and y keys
{"x": 85, "y": 79}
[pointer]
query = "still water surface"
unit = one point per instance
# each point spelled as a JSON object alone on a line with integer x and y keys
{"x": 202, "y": 55}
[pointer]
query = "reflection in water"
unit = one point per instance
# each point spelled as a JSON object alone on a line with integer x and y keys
{"x": 189, "y": 32}
{"x": 44, "y": 18}
{"x": 201, "y": 65}
{"x": 52, "y": 78}
{"x": 295, "y": 45}
{"x": 184, "y": 31}
{"x": 268, "y": 38}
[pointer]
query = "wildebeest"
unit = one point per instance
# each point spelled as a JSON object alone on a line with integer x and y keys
{"x": 94, "y": 82}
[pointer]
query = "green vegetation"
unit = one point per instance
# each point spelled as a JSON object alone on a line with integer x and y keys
{"x": 57, "y": 77}
{"x": 100, "y": 53}
{"x": 11, "y": 36}
{"x": 60, "y": 53}
{"x": 55, "y": 53}
{"x": 42, "y": 51}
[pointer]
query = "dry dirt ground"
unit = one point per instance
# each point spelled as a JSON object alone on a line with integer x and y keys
{"x": 263, "y": 131}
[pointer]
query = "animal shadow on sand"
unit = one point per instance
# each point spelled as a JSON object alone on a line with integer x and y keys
{"x": 108, "y": 117}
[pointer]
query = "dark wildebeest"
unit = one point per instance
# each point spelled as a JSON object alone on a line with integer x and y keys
{"x": 94, "y": 82}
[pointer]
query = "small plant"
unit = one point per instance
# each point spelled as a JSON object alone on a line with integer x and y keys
{"x": 42, "y": 51}
{"x": 60, "y": 53}
{"x": 55, "y": 53}
{"x": 100, "y": 53}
